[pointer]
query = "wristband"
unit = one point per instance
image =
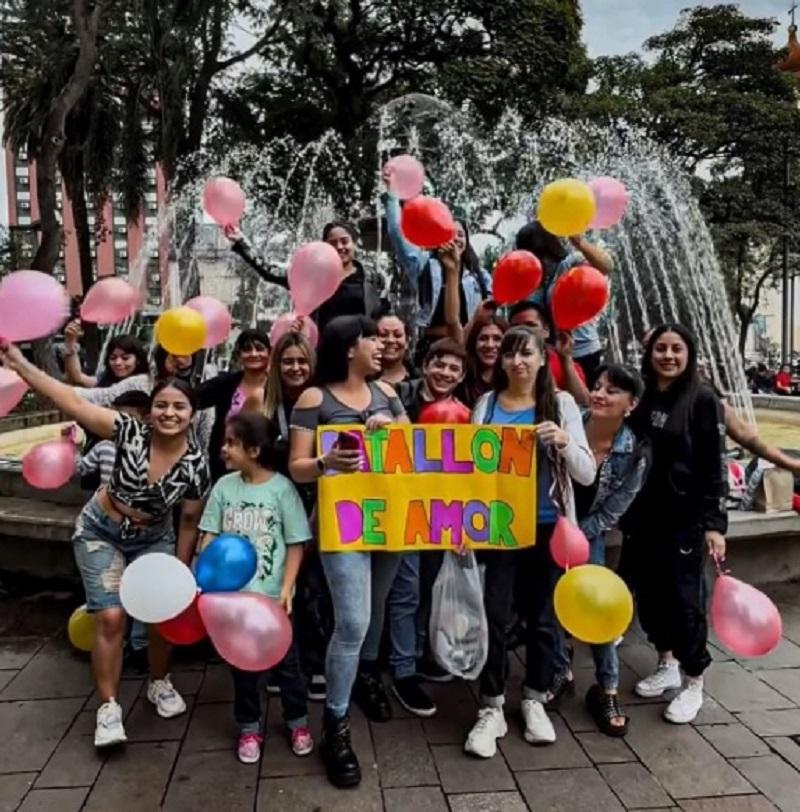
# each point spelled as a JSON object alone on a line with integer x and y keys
{"x": 320, "y": 463}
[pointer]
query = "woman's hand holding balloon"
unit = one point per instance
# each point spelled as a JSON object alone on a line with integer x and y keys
{"x": 550, "y": 434}
{"x": 72, "y": 335}
{"x": 716, "y": 545}
{"x": 232, "y": 232}
{"x": 11, "y": 357}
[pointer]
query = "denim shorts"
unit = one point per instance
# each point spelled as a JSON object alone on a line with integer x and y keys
{"x": 102, "y": 554}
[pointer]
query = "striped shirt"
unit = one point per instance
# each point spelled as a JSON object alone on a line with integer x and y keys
{"x": 99, "y": 459}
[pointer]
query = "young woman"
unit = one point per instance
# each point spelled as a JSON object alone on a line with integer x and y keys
{"x": 678, "y": 513}
{"x": 424, "y": 269}
{"x": 621, "y": 468}
{"x": 349, "y": 357}
{"x": 233, "y": 392}
{"x": 557, "y": 261}
{"x": 483, "y": 346}
{"x": 523, "y": 393}
{"x": 394, "y": 338}
{"x": 125, "y": 357}
{"x": 262, "y": 505}
{"x": 157, "y": 467}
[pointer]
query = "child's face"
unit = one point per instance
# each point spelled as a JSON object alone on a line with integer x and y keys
{"x": 235, "y": 456}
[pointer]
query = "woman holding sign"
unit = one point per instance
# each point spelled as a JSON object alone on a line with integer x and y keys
{"x": 349, "y": 357}
{"x": 523, "y": 393}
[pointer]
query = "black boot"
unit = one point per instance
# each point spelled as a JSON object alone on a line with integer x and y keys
{"x": 341, "y": 763}
{"x": 370, "y": 695}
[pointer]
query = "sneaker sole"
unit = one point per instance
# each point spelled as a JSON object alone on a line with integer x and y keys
{"x": 102, "y": 745}
{"x": 316, "y": 697}
{"x": 476, "y": 754}
{"x": 656, "y": 694}
{"x": 166, "y": 714}
{"x": 673, "y": 721}
{"x": 248, "y": 760}
{"x": 303, "y": 753}
{"x": 531, "y": 739}
{"x": 425, "y": 713}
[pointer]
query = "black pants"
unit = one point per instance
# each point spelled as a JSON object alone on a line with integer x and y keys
{"x": 667, "y": 573}
{"x": 313, "y": 616}
{"x": 543, "y": 636}
{"x": 430, "y": 562}
{"x": 247, "y": 687}
{"x": 590, "y": 364}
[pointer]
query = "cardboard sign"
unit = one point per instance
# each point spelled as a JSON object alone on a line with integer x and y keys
{"x": 431, "y": 487}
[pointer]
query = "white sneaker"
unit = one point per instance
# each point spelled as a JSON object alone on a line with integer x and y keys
{"x": 686, "y": 705}
{"x": 482, "y": 739}
{"x": 109, "y": 730}
{"x": 167, "y": 700}
{"x": 666, "y": 677}
{"x": 538, "y": 727}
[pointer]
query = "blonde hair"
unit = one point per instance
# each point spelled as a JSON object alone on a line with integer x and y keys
{"x": 274, "y": 389}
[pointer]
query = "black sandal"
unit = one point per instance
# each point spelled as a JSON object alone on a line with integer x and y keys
{"x": 603, "y": 708}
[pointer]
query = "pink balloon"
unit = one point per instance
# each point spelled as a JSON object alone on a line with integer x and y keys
{"x": 611, "y": 198}
{"x": 223, "y": 200}
{"x": 110, "y": 301}
{"x": 407, "y": 176}
{"x": 568, "y": 546}
{"x": 248, "y": 630}
{"x": 32, "y": 305}
{"x": 49, "y": 465}
{"x": 12, "y": 390}
{"x": 217, "y": 317}
{"x": 744, "y": 619}
{"x": 283, "y": 324}
{"x": 315, "y": 272}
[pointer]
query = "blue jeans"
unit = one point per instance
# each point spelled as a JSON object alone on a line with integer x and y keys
{"x": 359, "y": 585}
{"x": 403, "y": 606}
{"x": 102, "y": 551}
{"x": 606, "y": 661}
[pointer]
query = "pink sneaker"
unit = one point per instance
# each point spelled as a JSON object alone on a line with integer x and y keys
{"x": 302, "y": 741}
{"x": 249, "y": 751}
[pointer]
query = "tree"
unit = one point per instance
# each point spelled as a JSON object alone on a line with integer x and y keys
{"x": 713, "y": 97}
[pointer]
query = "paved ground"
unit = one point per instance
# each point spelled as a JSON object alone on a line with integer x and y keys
{"x": 742, "y": 754}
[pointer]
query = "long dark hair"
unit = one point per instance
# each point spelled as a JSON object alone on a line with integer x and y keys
{"x": 548, "y": 248}
{"x": 474, "y": 385}
{"x": 132, "y": 346}
{"x": 191, "y": 374}
{"x": 684, "y": 388}
{"x": 469, "y": 259}
{"x": 544, "y": 389}
{"x": 338, "y": 337}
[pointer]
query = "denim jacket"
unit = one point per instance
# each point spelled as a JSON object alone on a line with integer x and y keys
{"x": 620, "y": 477}
{"x": 413, "y": 260}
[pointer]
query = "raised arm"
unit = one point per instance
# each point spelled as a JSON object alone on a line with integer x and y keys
{"x": 72, "y": 365}
{"x": 596, "y": 256}
{"x": 746, "y": 435}
{"x": 95, "y": 418}
{"x": 241, "y": 247}
{"x": 412, "y": 260}
{"x": 452, "y": 301}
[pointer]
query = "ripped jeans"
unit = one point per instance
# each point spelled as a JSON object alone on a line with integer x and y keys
{"x": 102, "y": 554}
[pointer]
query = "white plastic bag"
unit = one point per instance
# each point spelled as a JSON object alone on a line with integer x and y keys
{"x": 459, "y": 631}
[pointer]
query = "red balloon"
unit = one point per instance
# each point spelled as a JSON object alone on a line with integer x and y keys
{"x": 185, "y": 629}
{"x": 426, "y": 222}
{"x": 579, "y": 296}
{"x": 445, "y": 411}
{"x": 516, "y": 275}
{"x": 744, "y": 619}
{"x": 568, "y": 545}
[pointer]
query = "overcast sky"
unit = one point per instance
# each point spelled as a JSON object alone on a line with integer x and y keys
{"x": 612, "y": 27}
{"x": 620, "y": 26}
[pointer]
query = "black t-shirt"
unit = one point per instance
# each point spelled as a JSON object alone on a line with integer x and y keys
{"x": 437, "y": 319}
{"x": 584, "y": 498}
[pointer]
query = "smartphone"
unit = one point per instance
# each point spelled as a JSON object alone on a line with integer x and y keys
{"x": 347, "y": 441}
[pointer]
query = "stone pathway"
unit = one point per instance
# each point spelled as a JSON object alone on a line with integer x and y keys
{"x": 741, "y": 755}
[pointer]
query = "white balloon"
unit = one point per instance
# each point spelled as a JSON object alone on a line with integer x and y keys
{"x": 156, "y": 587}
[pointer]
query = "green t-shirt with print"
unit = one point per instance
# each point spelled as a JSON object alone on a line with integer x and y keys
{"x": 269, "y": 515}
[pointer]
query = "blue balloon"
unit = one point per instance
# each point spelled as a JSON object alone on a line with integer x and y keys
{"x": 226, "y": 565}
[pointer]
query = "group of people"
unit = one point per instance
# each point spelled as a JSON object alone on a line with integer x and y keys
{"x": 236, "y": 453}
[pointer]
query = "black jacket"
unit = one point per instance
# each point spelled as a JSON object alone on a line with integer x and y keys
{"x": 218, "y": 393}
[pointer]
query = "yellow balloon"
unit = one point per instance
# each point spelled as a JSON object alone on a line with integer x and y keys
{"x": 593, "y": 604}
{"x": 566, "y": 207}
{"x": 181, "y": 331}
{"x": 80, "y": 629}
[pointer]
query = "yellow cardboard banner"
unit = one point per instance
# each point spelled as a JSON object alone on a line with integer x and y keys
{"x": 431, "y": 487}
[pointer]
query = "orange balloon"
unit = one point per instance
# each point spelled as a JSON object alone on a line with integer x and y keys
{"x": 579, "y": 296}
{"x": 427, "y": 223}
{"x": 516, "y": 275}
